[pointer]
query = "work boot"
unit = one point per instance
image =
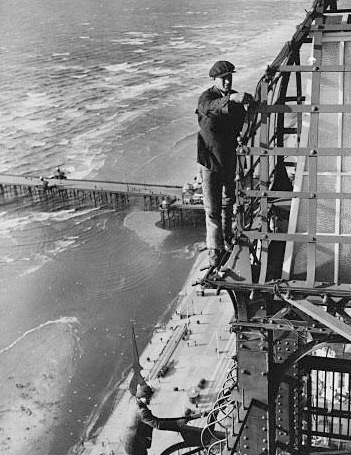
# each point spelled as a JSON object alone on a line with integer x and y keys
{"x": 215, "y": 257}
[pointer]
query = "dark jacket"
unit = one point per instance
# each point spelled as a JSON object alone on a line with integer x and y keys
{"x": 220, "y": 122}
{"x": 139, "y": 425}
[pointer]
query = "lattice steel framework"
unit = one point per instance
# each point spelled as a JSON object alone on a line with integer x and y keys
{"x": 289, "y": 273}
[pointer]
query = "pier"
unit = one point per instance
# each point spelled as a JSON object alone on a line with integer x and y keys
{"x": 168, "y": 199}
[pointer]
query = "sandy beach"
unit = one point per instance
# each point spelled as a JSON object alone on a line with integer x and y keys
{"x": 34, "y": 374}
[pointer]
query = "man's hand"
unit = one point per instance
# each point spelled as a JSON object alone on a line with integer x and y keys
{"x": 182, "y": 422}
{"x": 241, "y": 97}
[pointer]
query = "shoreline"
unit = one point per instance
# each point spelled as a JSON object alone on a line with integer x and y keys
{"x": 190, "y": 349}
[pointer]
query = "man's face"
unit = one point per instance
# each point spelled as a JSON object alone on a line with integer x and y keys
{"x": 224, "y": 83}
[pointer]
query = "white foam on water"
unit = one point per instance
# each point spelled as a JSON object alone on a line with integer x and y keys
{"x": 142, "y": 34}
{"x": 60, "y": 54}
{"x": 118, "y": 67}
{"x": 128, "y": 67}
{"x": 157, "y": 71}
{"x": 7, "y": 259}
{"x": 35, "y": 144}
{"x": 135, "y": 41}
{"x": 82, "y": 163}
{"x": 184, "y": 45}
{"x": 63, "y": 320}
{"x": 160, "y": 83}
{"x": 21, "y": 223}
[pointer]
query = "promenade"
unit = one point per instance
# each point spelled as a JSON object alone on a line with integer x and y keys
{"x": 204, "y": 353}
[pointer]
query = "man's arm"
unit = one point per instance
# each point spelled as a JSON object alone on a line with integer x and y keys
{"x": 161, "y": 424}
{"x": 212, "y": 105}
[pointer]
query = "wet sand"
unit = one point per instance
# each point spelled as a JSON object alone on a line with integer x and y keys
{"x": 144, "y": 224}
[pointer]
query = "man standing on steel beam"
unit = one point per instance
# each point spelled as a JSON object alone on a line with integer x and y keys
{"x": 221, "y": 114}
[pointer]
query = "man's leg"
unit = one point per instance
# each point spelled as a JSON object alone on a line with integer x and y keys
{"x": 212, "y": 191}
{"x": 227, "y": 210}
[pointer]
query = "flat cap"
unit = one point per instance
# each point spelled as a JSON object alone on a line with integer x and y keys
{"x": 221, "y": 68}
{"x": 144, "y": 391}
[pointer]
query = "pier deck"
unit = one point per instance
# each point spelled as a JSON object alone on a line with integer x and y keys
{"x": 126, "y": 188}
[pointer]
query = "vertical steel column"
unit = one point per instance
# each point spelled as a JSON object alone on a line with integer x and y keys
{"x": 264, "y": 176}
{"x": 312, "y": 159}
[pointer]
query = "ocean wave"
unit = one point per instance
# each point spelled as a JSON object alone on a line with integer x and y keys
{"x": 60, "y": 54}
{"x": 161, "y": 71}
{"x": 142, "y": 34}
{"x": 127, "y": 67}
{"x": 118, "y": 67}
{"x": 63, "y": 320}
{"x": 21, "y": 223}
{"x": 36, "y": 94}
{"x": 184, "y": 45}
{"x": 160, "y": 83}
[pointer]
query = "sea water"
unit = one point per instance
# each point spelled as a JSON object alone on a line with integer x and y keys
{"x": 107, "y": 90}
